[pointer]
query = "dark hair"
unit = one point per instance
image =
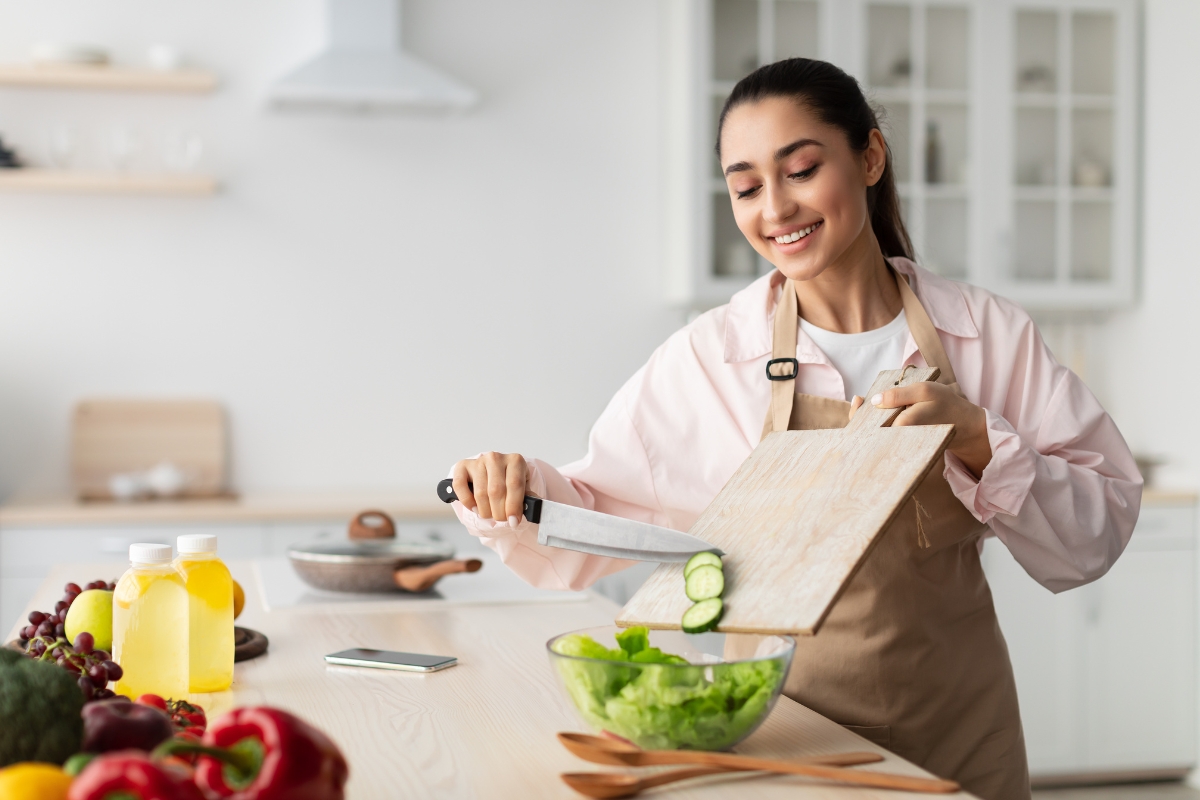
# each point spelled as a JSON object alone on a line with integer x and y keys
{"x": 837, "y": 100}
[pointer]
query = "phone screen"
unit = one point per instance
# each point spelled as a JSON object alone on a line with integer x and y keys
{"x": 389, "y": 659}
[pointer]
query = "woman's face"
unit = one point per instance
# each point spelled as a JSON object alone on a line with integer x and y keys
{"x": 798, "y": 189}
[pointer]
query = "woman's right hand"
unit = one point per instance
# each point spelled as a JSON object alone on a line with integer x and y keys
{"x": 500, "y": 481}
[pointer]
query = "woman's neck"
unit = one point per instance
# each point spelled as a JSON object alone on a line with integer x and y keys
{"x": 857, "y": 293}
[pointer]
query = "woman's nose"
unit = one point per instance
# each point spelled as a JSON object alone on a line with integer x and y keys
{"x": 779, "y": 207}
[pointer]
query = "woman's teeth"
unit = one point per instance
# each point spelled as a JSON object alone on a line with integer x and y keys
{"x": 797, "y": 235}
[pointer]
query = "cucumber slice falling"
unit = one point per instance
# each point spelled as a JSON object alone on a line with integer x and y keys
{"x": 703, "y": 616}
{"x": 699, "y": 560}
{"x": 704, "y": 583}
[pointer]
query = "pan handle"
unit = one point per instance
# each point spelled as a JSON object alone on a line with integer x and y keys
{"x": 383, "y": 528}
{"x": 531, "y": 506}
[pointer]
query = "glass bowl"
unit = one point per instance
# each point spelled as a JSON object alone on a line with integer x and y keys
{"x": 703, "y": 703}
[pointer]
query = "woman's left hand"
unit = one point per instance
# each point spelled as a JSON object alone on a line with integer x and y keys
{"x": 929, "y": 403}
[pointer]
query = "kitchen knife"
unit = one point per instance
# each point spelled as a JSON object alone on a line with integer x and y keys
{"x": 574, "y": 528}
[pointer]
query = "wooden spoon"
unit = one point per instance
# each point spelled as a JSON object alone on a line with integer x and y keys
{"x": 621, "y": 784}
{"x": 607, "y": 751}
{"x": 422, "y": 579}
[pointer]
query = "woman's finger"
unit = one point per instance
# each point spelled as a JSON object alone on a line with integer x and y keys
{"x": 497, "y": 490}
{"x": 477, "y": 470}
{"x": 514, "y": 479}
{"x": 855, "y": 404}
{"x": 906, "y": 395}
{"x": 462, "y": 484}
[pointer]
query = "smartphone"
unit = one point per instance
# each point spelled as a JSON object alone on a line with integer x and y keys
{"x": 388, "y": 659}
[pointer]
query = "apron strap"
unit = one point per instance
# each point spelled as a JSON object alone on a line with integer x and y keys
{"x": 923, "y": 332}
{"x": 782, "y": 368}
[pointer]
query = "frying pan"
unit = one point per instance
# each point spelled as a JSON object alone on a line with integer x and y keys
{"x": 373, "y": 560}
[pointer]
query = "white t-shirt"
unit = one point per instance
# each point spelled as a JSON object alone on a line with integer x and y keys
{"x": 860, "y": 357}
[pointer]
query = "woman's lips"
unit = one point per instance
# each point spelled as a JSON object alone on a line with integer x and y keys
{"x": 797, "y": 240}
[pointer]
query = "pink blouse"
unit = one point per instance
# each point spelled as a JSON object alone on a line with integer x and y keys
{"x": 1062, "y": 490}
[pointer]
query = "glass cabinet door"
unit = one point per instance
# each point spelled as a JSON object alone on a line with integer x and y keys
{"x": 1063, "y": 75}
{"x": 918, "y": 73}
{"x": 745, "y": 35}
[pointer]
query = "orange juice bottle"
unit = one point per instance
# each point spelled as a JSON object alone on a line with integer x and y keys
{"x": 150, "y": 625}
{"x": 210, "y": 613}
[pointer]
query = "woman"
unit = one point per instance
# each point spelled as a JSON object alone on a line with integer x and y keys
{"x": 911, "y": 655}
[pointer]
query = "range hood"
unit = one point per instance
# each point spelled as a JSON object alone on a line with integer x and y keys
{"x": 364, "y": 68}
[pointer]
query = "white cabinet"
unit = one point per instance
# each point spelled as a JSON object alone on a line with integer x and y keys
{"x": 1012, "y": 127}
{"x": 1106, "y": 673}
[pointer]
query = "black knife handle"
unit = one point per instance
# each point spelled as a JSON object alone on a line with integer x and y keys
{"x": 532, "y": 506}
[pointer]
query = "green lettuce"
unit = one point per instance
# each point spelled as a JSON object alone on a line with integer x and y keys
{"x": 657, "y": 700}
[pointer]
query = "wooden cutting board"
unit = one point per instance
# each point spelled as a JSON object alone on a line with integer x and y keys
{"x": 799, "y": 517}
{"x": 111, "y": 437}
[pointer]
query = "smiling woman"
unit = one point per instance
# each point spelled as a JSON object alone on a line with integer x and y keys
{"x": 911, "y": 654}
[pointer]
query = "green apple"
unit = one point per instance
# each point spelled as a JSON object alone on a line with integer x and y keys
{"x": 92, "y": 611}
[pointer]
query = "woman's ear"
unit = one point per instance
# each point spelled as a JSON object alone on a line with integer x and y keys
{"x": 876, "y": 157}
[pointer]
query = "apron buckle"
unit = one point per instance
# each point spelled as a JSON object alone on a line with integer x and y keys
{"x": 771, "y": 376}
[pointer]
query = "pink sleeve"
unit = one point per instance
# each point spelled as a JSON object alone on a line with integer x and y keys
{"x": 1062, "y": 490}
{"x": 614, "y": 478}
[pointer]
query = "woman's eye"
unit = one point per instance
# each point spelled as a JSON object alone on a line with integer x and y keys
{"x": 808, "y": 173}
{"x": 746, "y": 192}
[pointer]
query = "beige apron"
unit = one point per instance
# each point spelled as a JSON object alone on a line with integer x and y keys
{"x": 911, "y": 656}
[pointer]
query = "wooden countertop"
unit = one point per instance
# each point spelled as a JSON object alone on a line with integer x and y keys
{"x": 482, "y": 729}
{"x": 266, "y": 507}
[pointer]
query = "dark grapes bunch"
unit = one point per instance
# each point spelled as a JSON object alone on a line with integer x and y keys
{"x": 44, "y": 638}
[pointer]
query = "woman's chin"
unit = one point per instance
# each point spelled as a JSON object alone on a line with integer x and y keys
{"x": 805, "y": 268}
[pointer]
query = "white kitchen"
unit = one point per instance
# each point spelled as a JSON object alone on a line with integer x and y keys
{"x": 270, "y": 271}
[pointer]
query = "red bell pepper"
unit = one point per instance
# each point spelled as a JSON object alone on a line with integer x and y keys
{"x": 260, "y": 753}
{"x": 132, "y": 775}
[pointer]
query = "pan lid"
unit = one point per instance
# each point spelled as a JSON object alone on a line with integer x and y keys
{"x": 375, "y": 551}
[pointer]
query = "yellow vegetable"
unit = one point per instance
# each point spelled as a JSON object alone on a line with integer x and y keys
{"x": 34, "y": 781}
{"x": 239, "y": 599}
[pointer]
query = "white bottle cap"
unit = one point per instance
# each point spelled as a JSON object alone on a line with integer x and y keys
{"x": 197, "y": 543}
{"x": 150, "y": 553}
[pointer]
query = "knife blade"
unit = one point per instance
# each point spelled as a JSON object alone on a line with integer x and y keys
{"x": 573, "y": 528}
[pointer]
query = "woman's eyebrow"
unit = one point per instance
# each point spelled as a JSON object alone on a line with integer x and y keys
{"x": 780, "y": 155}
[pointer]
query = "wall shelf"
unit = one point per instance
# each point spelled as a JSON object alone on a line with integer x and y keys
{"x": 107, "y": 78}
{"x": 74, "y": 182}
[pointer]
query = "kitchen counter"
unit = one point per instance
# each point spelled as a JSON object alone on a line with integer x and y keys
{"x": 261, "y": 507}
{"x": 482, "y": 729}
{"x": 406, "y": 504}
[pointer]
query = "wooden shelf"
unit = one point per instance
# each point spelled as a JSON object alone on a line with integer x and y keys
{"x": 107, "y": 78}
{"x": 69, "y": 182}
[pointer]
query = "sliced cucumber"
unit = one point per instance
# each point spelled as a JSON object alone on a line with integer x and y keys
{"x": 699, "y": 560}
{"x": 705, "y": 583}
{"x": 703, "y": 616}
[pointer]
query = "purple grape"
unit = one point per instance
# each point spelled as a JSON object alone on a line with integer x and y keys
{"x": 72, "y": 588}
{"x": 38, "y": 647}
{"x": 84, "y": 642}
{"x": 60, "y": 630}
{"x": 61, "y": 606}
{"x": 46, "y": 628}
{"x": 101, "y": 655}
{"x": 37, "y": 617}
{"x": 29, "y": 631}
{"x": 98, "y": 674}
{"x": 86, "y": 684}
{"x": 113, "y": 669}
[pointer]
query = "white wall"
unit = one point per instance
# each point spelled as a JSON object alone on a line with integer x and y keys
{"x": 370, "y": 298}
{"x": 1150, "y": 354}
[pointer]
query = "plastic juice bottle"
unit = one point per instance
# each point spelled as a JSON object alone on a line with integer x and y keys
{"x": 150, "y": 625}
{"x": 210, "y": 614}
